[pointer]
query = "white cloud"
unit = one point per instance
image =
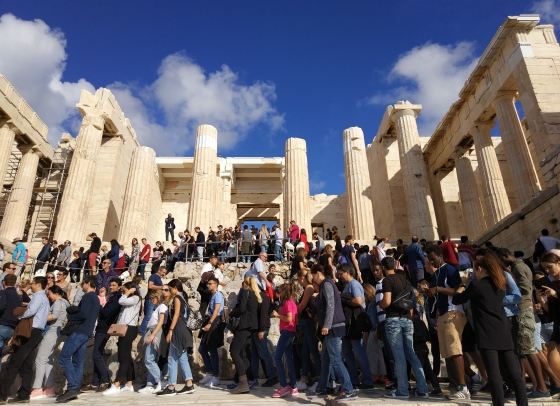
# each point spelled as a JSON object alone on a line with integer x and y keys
{"x": 316, "y": 186}
{"x": 431, "y": 75}
{"x": 33, "y": 58}
{"x": 549, "y": 10}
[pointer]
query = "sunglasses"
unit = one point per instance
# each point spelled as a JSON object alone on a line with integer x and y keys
{"x": 50, "y": 277}
{"x": 165, "y": 290}
{"x": 12, "y": 269}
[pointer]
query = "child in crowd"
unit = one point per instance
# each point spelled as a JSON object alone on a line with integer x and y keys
{"x": 287, "y": 313}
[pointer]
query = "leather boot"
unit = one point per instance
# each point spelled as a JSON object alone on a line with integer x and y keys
{"x": 242, "y": 386}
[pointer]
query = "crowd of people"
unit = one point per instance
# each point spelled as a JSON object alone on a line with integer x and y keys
{"x": 351, "y": 318}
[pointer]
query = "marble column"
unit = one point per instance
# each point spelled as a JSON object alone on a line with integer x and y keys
{"x": 203, "y": 196}
{"x": 78, "y": 190}
{"x": 7, "y": 137}
{"x": 359, "y": 209}
{"x": 420, "y": 207}
{"x": 229, "y": 215}
{"x": 438, "y": 200}
{"x": 494, "y": 191}
{"x": 296, "y": 186}
{"x": 473, "y": 215}
{"x": 515, "y": 145}
{"x": 17, "y": 207}
{"x": 136, "y": 207}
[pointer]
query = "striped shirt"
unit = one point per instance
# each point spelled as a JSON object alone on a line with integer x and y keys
{"x": 378, "y": 298}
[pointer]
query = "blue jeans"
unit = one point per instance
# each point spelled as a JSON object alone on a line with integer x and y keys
{"x": 331, "y": 363}
{"x": 352, "y": 350}
{"x": 259, "y": 350}
{"x": 310, "y": 359}
{"x": 148, "y": 310}
{"x": 399, "y": 331}
{"x": 6, "y": 333}
{"x": 277, "y": 252}
{"x": 210, "y": 358}
{"x": 177, "y": 360}
{"x": 285, "y": 346}
{"x": 141, "y": 268}
{"x": 72, "y": 358}
{"x": 151, "y": 362}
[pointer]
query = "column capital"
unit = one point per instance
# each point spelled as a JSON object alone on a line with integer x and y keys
{"x": 34, "y": 149}
{"x": 505, "y": 95}
{"x": 483, "y": 126}
{"x": 10, "y": 126}
{"x": 404, "y": 108}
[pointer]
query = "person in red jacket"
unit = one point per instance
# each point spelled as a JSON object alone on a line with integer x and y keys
{"x": 144, "y": 257}
{"x": 450, "y": 253}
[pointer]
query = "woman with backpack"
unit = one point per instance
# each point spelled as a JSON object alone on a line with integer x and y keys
{"x": 180, "y": 341}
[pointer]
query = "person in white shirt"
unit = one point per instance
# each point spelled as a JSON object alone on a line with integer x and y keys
{"x": 278, "y": 241}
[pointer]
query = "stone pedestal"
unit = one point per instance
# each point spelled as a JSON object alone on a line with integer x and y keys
{"x": 136, "y": 209}
{"x": 517, "y": 150}
{"x": 473, "y": 214}
{"x": 203, "y": 196}
{"x": 15, "y": 215}
{"x": 359, "y": 208}
{"x": 494, "y": 193}
{"x": 7, "y": 137}
{"x": 421, "y": 215}
{"x": 296, "y": 185}
{"x": 79, "y": 184}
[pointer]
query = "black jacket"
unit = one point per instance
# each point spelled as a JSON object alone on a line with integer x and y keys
{"x": 246, "y": 309}
{"x": 200, "y": 239}
{"x": 109, "y": 313}
{"x": 264, "y": 313}
{"x": 44, "y": 254}
{"x": 9, "y": 300}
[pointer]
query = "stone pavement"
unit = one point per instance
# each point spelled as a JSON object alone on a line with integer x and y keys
{"x": 262, "y": 397}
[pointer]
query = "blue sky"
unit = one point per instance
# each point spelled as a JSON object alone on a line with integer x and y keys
{"x": 261, "y": 71}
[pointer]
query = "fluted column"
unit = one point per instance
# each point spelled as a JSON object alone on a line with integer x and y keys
{"x": 296, "y": 185}
{"x": 494, "y": 193}
{"x": 78, "y": 190}
{"x": 7, "y": 137}
{"x": 438, "y": 200}
{"x": 136, "y": 207}
{"x": 380, "y": 191}
{"x": 515, "y": 144}
{"x": 421, "y": 215}
{"x": 15, "y": 215}
{"x": 359, "y": 209}
{"x": 203, "y": 196}
{"x": 471, "y": 205}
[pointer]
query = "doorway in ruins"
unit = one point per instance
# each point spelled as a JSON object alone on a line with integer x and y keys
{"x": 258, "y": 213}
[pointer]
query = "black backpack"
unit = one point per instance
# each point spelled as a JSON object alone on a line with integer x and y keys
{"x": 405, "y": 301}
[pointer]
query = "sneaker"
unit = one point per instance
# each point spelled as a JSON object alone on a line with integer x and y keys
{"x": 113, "y": 390}
{"x": 37, "y": 394}
{"x": 282, "y": 392}
{"x": 462, "y": 393}
{"x": 270, "y": 382}
{"x": 67, "y": 396}
{"x": 49, "y": 393}
{"x": 295, "y": 392}
{"x": 421, "y": 395}
{"x": 394, "y": 395}
{"x": 127, "y": 388}
{"x": 537, "y": 394}
{"x": 301, "y": 384}
{"x": 187, "y": 389}
{"x": 214, "y": 382}
{"x": 207, "y": 378}
{"x": 167, "y": 391}
{"x": 436, "y": 392}
{"x": 346, "y": 396}
{"x": 148, "y": 390}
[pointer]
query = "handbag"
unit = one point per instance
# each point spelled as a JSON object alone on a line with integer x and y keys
{"x": 194, "y": 320}
{"x": 118, "y": 330}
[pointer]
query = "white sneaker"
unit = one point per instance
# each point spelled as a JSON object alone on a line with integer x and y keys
{"x": 113, "y": 390}
{"x": 301, "y": 385}
{"x": 128, "y": 388}
{"x": 207, "y": 378}
{"x": 148, "y": 390}
{"x": 158, "y": 388}
{"x": 214, "y": 382}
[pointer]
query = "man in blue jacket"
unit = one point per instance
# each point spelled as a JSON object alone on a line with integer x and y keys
{"x": 415, "y": 260}
{"x": 43, "y": 255}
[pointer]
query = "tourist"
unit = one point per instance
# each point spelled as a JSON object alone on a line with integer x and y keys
{"x": 43, "y": 385}
{"x": 303, "y": 240}
{"x": 65, "y": 256}
{"x": 169, "y": 227}
{"x": 331, "y": 321}
{"x": 278, "y": 243}
{"x": 43, "y": 255}
{"x": 154, "y": 339}
{"x": 246, "y": 313}
{"x": 550, "y": 302}
{"x": 293, "y": 232}
{"x": 258, "y": 270}
{"x": 310, "y": 359}
{"x": 466, "y": 254}
{"x": 372, "y": 344}
{"x": 420, "y": 338}
{"x": 93, "y": 252}
{"x": 264, "y": 236}
{"x": 180, "y": 341}
{"x": 544, "y": 244}
{"x": 131, "y": 304}
{"x": 200, "y": 242}
{"x": 415, "y": 257}
{"x": 287, "y": 313}
{"x": 353, "y": 305}
{"x": 348, "y": 256}
{"x": 144, "y": 257}
{"x": 63, "y": 283}
{"x": 8, "y": 268}
{"x": 486, "y": 298}
{"x": 298, "y": 262}
{"x": 397, "y": 303}
{"x": 155, "y": 284}
{"x": 326, "y": 260}
{"x": 105, "y": 274}
{"x": 22, "y": 360}
{"x": 451, "y": 320}
{"x": 450, "y": 252}
{"x": 9, "y": 301}
{"x": 75, "y": 267}
{"x": 72, "y": 356}
{"x": 212, "y": 335}
{"x": 2, "y": 253}
{"x": 108, "y": 315}
{"x": 208, "y": 271}
{"x": 19, "y": 255}
{"x": 246, "y": 244}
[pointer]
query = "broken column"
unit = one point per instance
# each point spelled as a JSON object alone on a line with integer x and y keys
{"x": 359, "y": 208}
{"x": 296, "y": 185}
{"x": 203, "y": 195}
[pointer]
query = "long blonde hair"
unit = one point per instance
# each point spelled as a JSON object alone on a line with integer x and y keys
{"x": 251, "y": 283}
{"x": 264, "y": 231}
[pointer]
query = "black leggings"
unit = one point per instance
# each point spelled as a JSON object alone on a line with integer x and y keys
{"x": 492, "y": 360}
{"x": 124, "y": 355}
{"x": 423, "y": 356}
{"x": 238, "y": 352}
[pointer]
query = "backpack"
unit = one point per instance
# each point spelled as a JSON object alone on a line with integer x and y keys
{"x": 405, "y": 301}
